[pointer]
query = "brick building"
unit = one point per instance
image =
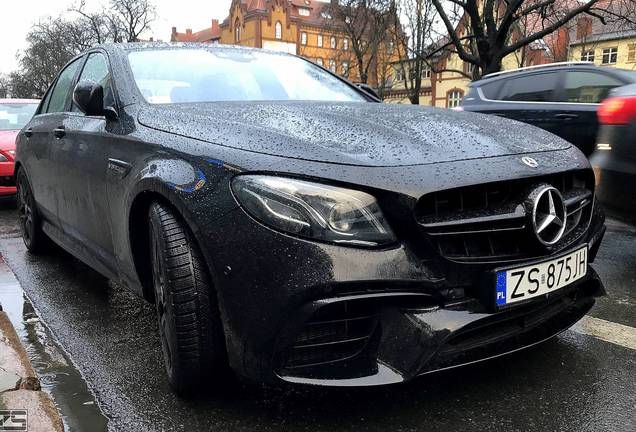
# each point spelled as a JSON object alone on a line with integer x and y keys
{"x": 303, "y": 27}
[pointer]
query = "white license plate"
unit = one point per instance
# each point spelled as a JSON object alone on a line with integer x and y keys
{"x": 522, "y": 283}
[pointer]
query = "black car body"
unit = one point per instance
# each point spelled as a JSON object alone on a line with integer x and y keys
{"x": 560, "y": 98}
{"x": 345, "y": 243}
{"x": 615, "y": 158}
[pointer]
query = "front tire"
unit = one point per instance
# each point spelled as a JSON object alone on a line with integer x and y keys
{"x": 189, "y": 324}
{"x": 35, "y": 240}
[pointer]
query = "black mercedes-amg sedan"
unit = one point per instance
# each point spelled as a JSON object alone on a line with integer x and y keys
{"x": 290, "y": 228}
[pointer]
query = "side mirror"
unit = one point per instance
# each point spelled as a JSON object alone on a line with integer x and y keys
{"x": 89, "y": 97}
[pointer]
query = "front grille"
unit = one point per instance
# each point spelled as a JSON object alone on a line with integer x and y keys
{"x": 334, "y": 333}
{"x": 490, "y": 222}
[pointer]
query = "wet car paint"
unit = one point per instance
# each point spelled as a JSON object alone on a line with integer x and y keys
{"x": 177, "y": 166}
{"x": 360, "y": 134}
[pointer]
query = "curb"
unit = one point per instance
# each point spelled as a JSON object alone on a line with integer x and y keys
{"x": 20, "y": 392}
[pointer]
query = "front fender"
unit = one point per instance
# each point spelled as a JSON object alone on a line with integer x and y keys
{"x": 197, "y": 189}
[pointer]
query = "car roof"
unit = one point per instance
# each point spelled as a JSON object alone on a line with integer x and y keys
{"x": 539, "y": 69}
{"x": 19, "y": 101}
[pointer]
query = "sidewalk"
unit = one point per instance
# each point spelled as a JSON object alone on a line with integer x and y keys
{"x": 27, "y": 407}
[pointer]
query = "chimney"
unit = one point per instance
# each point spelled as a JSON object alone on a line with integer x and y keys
{"x": 173, "y": 36}
{"x": 188, "y": 31}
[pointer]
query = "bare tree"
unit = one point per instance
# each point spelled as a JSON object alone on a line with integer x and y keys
{"x": 52, "y": 42}
{"x": 416, "y": 45}
{"x": 4, "y": 86}
{"x": 100, "y": 25}
{"x": 133, "y": 17}
{"x": 365, "y": 23}
{"x": 490, "y": 26}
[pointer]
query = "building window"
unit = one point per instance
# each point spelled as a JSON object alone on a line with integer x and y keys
{"x": 303, "y": 12}
{"x": 391, "y": 47}
{"x": 279, "y": 30}
{"x": 303, "y": 38}
{"x": 325, "y": 15}
{"x": 345, "y": 44}
{"x": 454, "y": 98}
{"x": 631, "y": 53}
{"x": 237, "y": 31}
{"x": 319, "y": 62}
{"x": 469, "y": 68}
{"x": 426, "y": 73}
{"x": 345, "y": 69}
{"x": 332, "y": 65}
{"x": 398, "y": 75}
{"x": 320, "y": 40}
{"x": 587, "y": 56}
{"x": 610, "y": 55}
{"x": 333, "y": 42}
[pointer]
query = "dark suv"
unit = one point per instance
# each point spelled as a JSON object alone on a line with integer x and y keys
{"x": 561, "y": 98}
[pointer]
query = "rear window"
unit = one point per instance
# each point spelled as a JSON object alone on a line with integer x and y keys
{"x": 529, "y": 88}
{"x": 588, "y": 87}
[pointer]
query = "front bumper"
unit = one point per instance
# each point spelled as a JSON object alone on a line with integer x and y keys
{"x": 314, "y": 313}
{"x": 416, "y": 339}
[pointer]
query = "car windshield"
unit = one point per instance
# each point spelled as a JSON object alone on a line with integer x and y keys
{"x": 199, "y": 75}
{"x": 13, "y": 116}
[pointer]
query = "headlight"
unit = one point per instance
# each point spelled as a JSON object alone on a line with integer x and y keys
{"x": 313, "y": 210}
{"x": 3, "y": 158}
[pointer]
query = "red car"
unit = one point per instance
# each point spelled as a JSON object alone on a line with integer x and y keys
{"x": 14, "y": 114}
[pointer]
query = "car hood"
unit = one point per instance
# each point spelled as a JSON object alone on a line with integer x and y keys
{"x": 363, "y": 134}
{"x": 7, "y": 139}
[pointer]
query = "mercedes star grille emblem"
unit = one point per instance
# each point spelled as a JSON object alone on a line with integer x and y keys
{"x": 548, "y": 214}
{"x": 532, "y": 163}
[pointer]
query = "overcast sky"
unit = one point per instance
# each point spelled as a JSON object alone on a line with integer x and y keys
{"x": 18, "y": 16}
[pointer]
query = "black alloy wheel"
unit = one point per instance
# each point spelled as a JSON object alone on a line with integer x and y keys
{"x": 189, "y": 324}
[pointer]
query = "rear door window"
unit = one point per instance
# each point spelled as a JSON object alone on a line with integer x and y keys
{"x": 530, "y": 88}
{"x": 587, "y": 87}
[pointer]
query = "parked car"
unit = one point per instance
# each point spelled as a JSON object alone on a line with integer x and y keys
{"x": 288, "y": 226}
{"x": 561, "y": 98}
{"x": 14, "y": 113}
{"x": 615, "y": 158}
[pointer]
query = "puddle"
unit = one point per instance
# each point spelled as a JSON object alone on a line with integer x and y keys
{"x": 59, "y": 378}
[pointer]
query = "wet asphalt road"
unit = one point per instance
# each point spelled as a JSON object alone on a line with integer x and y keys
{"x": 574, "y": 382}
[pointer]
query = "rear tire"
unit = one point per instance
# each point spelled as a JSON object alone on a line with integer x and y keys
{"x": 35, "y": 240}
{"x": 189, "y": 323}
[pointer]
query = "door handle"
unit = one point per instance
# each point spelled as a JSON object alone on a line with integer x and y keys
{"x": 28, "y": 133}
{"x": 59, "y": 132}
{"x": 566, "y": 116}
